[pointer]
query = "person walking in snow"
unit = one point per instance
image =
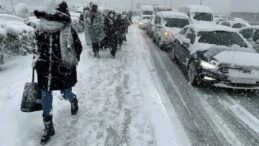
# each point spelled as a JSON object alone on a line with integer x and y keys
{"x": 58, "y": 54}
{"x": 120, "y": 25}
{"x": 94, "y": 25}
{"x": 112, "y": 32}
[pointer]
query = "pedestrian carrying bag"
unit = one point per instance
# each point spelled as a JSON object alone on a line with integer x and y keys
{"x": 31, "y": 100}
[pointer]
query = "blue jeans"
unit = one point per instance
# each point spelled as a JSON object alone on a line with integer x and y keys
{"x": 47, "y": 98}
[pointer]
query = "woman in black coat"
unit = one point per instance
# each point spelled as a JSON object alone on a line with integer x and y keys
{"x": 55, "y": 36}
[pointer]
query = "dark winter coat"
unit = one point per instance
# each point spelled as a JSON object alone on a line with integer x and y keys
{"x": 60, "y": 76}
{"x": 52, "y": 73}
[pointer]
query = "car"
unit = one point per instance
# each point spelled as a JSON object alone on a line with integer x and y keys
{"x": 216, "y": 56}
{"x": 167, "y": 24}
{"x": 198, "y": 13}
{"x": 143, "y": 21}
{"x": 150, "y": 26}
{"x": 17, "y": 37}
{"x": 235, "y": 23}
{"x": 251, "y": 34}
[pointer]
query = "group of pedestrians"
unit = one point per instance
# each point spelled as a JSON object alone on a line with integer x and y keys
{"x": 105, "y": 30}
{"x": 59, "y": 48}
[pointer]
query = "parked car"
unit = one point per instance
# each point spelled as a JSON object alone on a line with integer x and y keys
{"x": 218, "y": 56}
{"x": 198, "y": 13}
{"x": 251, "y": 34}
{"x": 167, "y": 24}
{"x": 17, "y": 38}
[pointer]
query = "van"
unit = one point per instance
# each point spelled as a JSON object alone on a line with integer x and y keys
{"x": 198, "y": 13}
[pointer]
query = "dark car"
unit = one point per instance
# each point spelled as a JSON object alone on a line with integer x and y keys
{"x": 218, "y": 56}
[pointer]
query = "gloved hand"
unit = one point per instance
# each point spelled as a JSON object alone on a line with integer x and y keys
{"x": 40, "y": 14}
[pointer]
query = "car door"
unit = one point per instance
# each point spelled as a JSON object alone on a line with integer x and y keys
{"x": 157, "y": 28}
{"x": 186, "y": 46}
{"x": 177, "y": 44}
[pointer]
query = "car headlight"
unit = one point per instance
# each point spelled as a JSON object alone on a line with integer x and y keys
{"x": 166, "y": 34}
{"x": 209, "y": 66}
{"x": 141, "y": 23}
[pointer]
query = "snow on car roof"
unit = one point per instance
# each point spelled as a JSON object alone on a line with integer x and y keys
{"x": 199, "y": 8}
{"x": 211, "y": 27}
{"x": 172, "y": 14}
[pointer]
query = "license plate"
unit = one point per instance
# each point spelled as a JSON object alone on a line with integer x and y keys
{"x": 239, "y": 77}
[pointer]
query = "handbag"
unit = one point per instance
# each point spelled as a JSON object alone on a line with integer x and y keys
{"x": 31, "y": 100}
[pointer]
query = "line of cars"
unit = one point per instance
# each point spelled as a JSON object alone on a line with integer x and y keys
{"x": 211, "y": 54}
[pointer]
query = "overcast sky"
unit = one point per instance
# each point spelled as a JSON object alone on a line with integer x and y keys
{"x": 219, "y": 6}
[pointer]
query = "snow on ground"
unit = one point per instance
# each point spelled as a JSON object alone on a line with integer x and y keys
{"x": 120, "y": 103}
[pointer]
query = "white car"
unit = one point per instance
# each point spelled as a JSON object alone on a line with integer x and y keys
{"x": 235, "y": 23}
{"x": 198, "y": 13}
{"x": 251, "y": 34}
{"x": 17, "y": 37}
{"x": 167, "y": 24}
{"x": 218, "y": 56}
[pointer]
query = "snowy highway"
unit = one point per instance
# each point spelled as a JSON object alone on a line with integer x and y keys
{"x": 140, "y": 98}
{"x": 209, "y": 116}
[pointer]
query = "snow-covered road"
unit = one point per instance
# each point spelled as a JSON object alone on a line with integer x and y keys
{"x": 122, "y": 103}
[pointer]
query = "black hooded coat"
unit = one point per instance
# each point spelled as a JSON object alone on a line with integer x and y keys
{"x": 52, "y": 73}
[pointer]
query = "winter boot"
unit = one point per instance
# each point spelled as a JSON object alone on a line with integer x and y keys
{"x": 113, "y": 52}
{"x": 48, "y": 131}
{"x": 74, "y": 107}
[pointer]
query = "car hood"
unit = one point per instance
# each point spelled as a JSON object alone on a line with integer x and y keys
{"x": 238, "y": 58}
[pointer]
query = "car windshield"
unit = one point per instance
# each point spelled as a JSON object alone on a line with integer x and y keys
{"x": 222, "y": 38}
{"x": 203, "y": 17}
{"x": 176, "y": 22}
{"x": 147, "y": 12}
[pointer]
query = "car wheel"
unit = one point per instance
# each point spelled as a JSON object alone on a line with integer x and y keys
{"x": 192, "y": 74}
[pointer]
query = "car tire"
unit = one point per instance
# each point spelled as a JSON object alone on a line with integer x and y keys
{"x": 192, "y": 74}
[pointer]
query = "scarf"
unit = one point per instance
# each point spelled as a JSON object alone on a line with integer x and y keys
{"x": 68, "y": 53}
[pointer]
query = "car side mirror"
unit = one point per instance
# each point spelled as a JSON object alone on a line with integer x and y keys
{"x": 186, "y": 41}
